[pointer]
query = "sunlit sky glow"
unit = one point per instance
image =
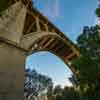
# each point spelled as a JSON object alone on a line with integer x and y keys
{"x": 48, "y": 64}
{"x": 69, "y": 16}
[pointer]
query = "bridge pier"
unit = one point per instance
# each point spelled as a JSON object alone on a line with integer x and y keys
{"x": 12, "y": 62}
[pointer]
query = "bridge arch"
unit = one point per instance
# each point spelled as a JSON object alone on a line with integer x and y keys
{"x": 18, "y": 40}
{"x": 51, "y": 42}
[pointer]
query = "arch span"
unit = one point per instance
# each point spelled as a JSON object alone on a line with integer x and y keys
{"x": 48, "y": 41}
{"x": 52, "y": 42}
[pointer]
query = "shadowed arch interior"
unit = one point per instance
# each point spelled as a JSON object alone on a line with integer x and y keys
{"x": 47, "y": 41}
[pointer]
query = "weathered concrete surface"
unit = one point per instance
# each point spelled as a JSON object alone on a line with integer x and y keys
{"x": 12, "y": 62}
{"x": 12, "y": 22}
{"x": 29, "y": 39}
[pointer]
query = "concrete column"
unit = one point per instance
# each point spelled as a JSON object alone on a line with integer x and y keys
{"x": 12, "y": 62}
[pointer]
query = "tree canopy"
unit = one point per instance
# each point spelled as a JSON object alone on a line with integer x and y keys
{"x": 88, "y": 64}
{"x": 36, "y": 84}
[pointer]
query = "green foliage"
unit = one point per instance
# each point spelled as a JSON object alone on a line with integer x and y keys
{"x": 98, "y": 12}
{"x": 3, "y": 4}
{"x": 36, "y": 84}
{"x": 67, "y": 94}
{"x": 88, "y": 64}
{"x": 57, "y": 90}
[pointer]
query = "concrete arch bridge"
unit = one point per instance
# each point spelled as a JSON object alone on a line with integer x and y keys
{"x": 23, "y": 31}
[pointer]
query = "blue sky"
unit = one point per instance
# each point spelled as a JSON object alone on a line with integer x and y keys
{"x": 69, "y": 16}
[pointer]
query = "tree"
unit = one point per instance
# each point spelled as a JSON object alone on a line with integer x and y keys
{"x": 89, "y": 41}
{"x": 88, "y": 64}
{"x": 4, "y": 4}
{"x": 98, "y": 10}
{"x": 67, "y": 93}
{"x": 36, "y": 84}
{"x": 57, "y": 90}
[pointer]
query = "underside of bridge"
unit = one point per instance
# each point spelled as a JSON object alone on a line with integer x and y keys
{"x": 23, "y": 31}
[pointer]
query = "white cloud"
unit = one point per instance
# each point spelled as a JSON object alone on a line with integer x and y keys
{"x": 63, "y": 83}
{"x": 52, "y": 9}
